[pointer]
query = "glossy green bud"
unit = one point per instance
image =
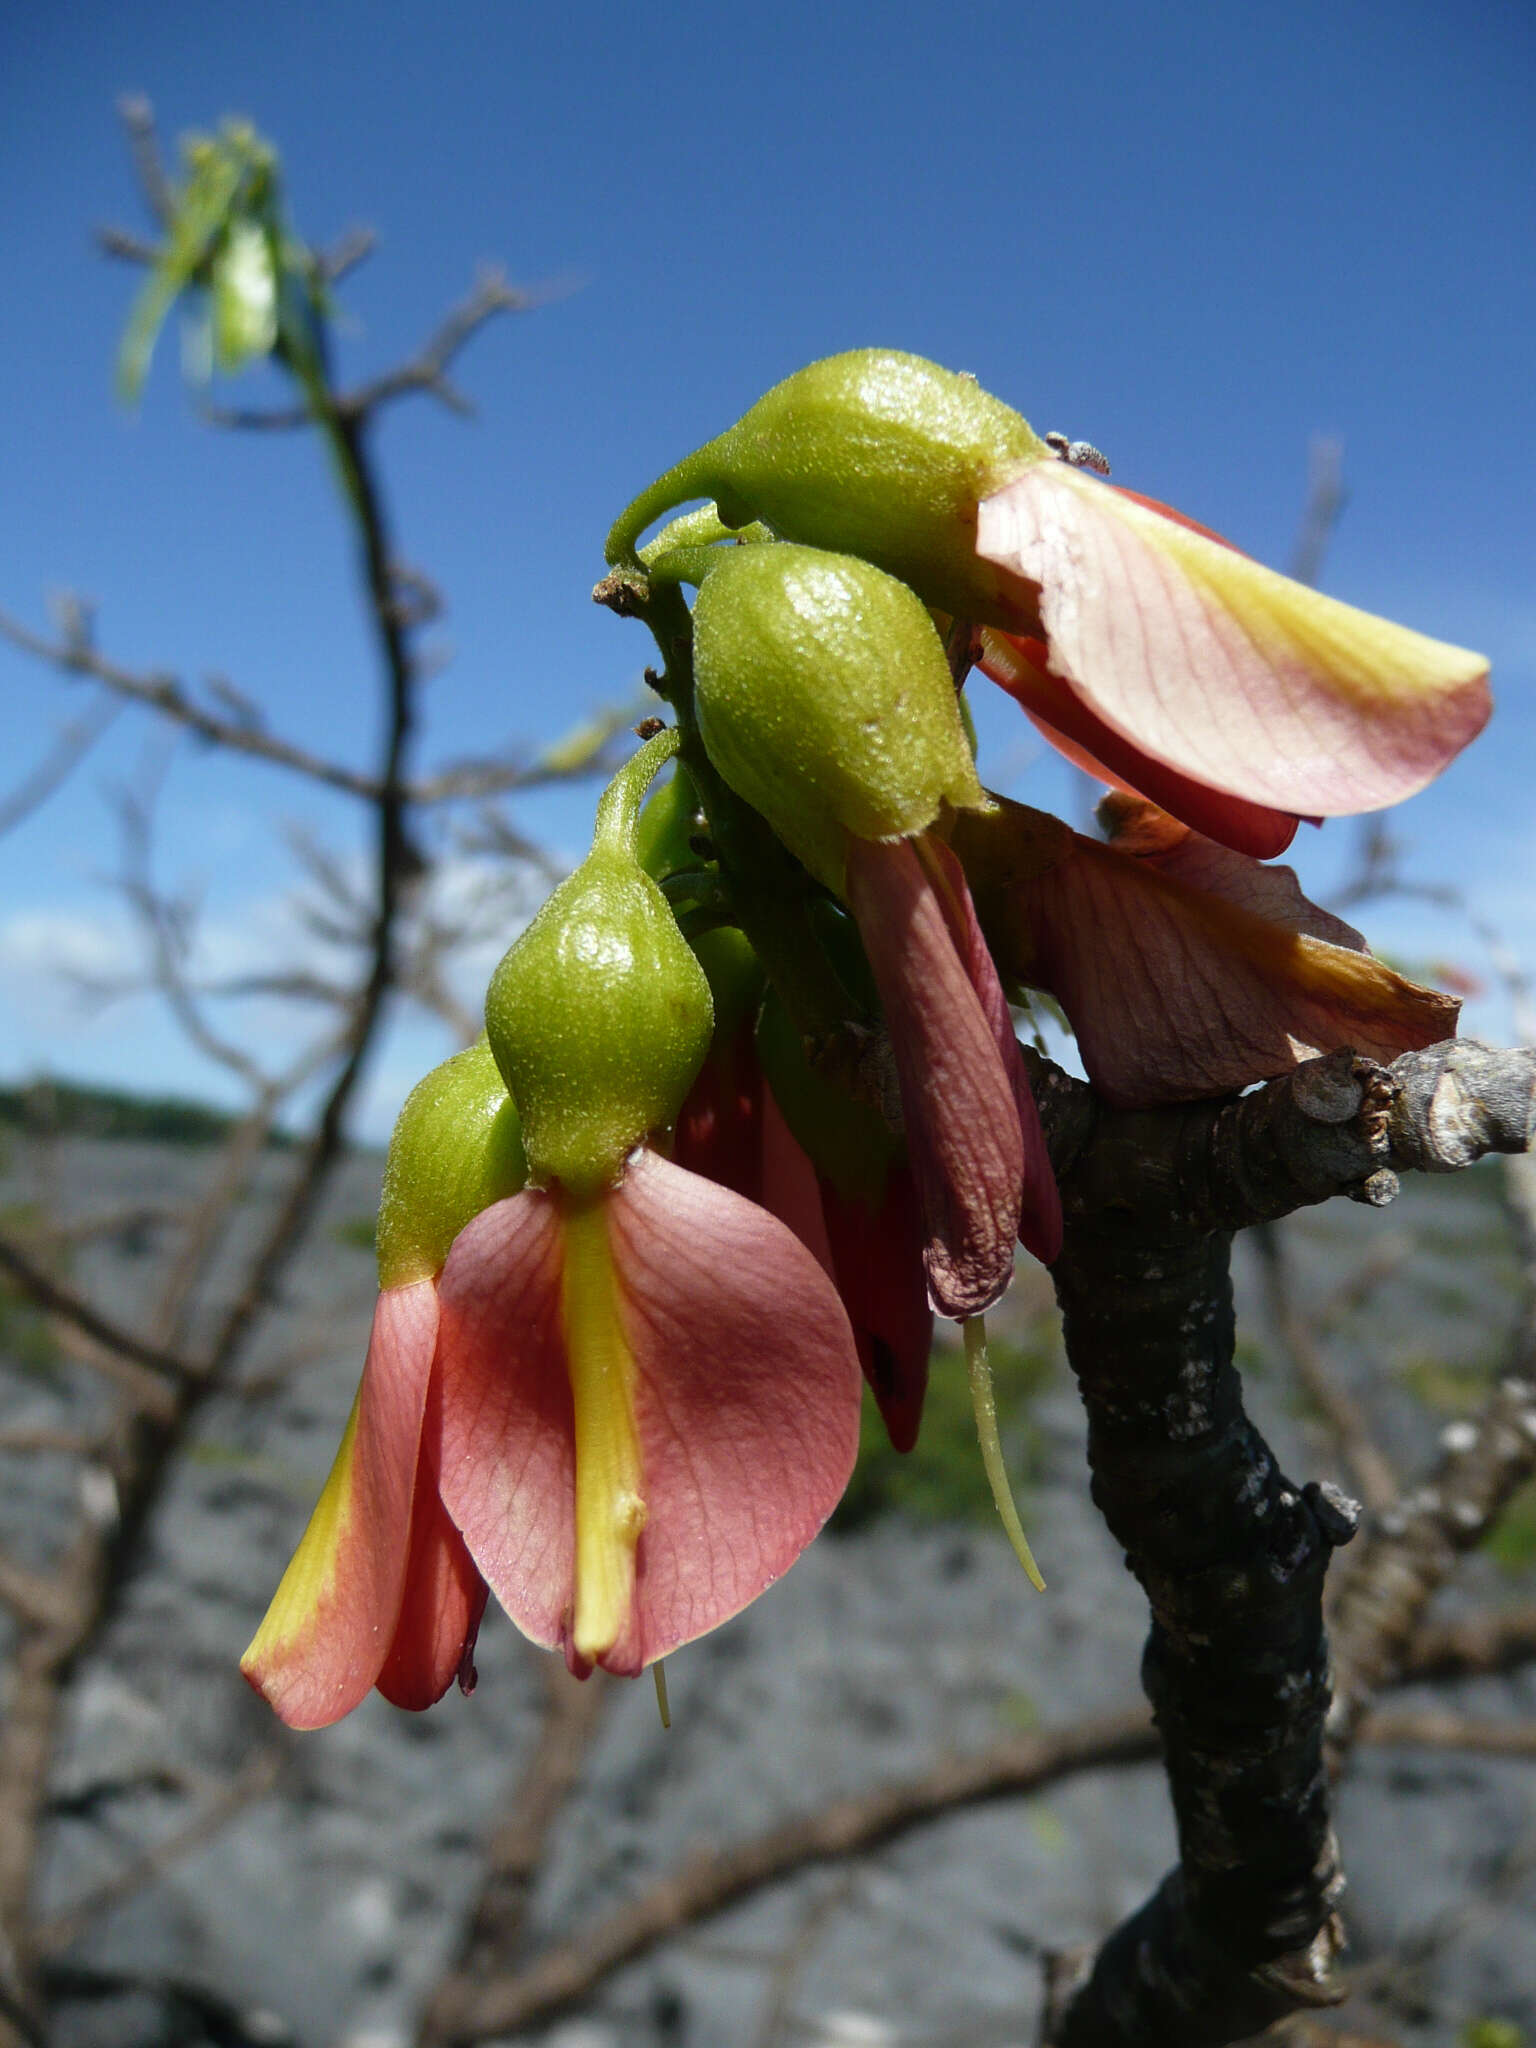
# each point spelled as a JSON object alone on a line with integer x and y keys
{"x": 456, "y": 1148}
{"x": 874, "y": 453}
{"x": 600, "y": 1015}
{"x": 824, "y": 698}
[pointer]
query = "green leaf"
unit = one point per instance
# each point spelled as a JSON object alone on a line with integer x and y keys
{"x": 202, "y": 211}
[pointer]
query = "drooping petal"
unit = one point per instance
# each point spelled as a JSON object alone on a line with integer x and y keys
{"x": 1040, "y": 1223}
{"x": 877, "y": 1260}
{"x": 872, "y": 1249}
{"x": 1226, "y": 671}
{"x": 329, "y": 1629}
{"x": 1167, "y": 844}
{"x": 1174, "y": 991}
{"x": 508, "y": 1429}
{"x": 791, "y": 1187}
{"x": 719, "y": 1127}
{"x": 444, "y": 1595}
{"x": 1021, "y": 667}
{"x": 747, "y": 1399}
{"x": 962, "y": 1123}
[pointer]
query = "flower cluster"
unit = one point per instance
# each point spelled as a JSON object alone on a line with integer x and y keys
{"x": 749, "y": 1108}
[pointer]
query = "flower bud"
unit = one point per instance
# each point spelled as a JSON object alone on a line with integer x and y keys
{"x": 874, "y": 453}
{"x": 456, "y": 1148}
{"x": 599, "y": 1018}
{"x": 825, "y": 700}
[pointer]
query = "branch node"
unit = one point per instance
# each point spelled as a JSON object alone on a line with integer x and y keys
{"x": 1338, "y": 1516}
{"x": 624, "y": 593}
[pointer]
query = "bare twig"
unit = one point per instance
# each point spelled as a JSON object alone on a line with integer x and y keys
{"x": 811, "y": 1927}
{"x": 1502, "y": 1639}
{"x": 33, "y": 1442}
{"x": 573, "y": 1715}
{"x": 842, "y": 1828}
{"x": 1326, "y": 498}
{"x": 166, "y": 695}
{"x": 427, "y": 371}
{"x": 65, "y": 755}
{"x": 34, "y": 1596}
{"x": 253, "y": 1781}
{"x": 138, "y": 117}
{"x": 163, "y": 693}
{"x": 168, "y": 930}
{"x": 1388, "y": 1728}
{"x": 1344, "y": 1416}
{"x": 59, "y": 1300}
{"x": 345, "y": 254}
{"x": 490, "y": 2000}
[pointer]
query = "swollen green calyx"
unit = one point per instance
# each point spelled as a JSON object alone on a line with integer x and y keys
{"x": 874, "y": 453}
{"x": 600, "y": 1016}
{"x": 825, "y": 700}
{"x": 456, "y": 1148}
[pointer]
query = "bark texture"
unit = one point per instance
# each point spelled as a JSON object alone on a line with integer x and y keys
{"x": 1231, "y": 1553}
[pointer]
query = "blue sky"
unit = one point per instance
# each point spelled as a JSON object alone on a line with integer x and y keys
{"x": 1196, "y": 235}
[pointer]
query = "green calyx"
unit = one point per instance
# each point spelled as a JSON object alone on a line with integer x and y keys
{"x": 600, "y": 1016}
{"x": 456, "y": 1148}
{"x": 874, "y": 453}
{"x": 824, "y": 699}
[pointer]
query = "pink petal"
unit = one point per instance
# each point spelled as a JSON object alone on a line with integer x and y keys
{"x": 1040, "y": 1223}
{"x": 508, "y": 1458}
{"x": 962, "y": 1123}
{"x": 329, "y": 1628}
{"x": 747, "y": 1399}
{"x": 1165, "y": 843}
{"x": 1225, "y": 671}
{"x": 444, "y": 1595}
{"x": 1021, "y": 667}
{"x": 1176, "y": 992}
{"x": 791, "y": 1189}
{"x": 719, "y": 1128}
{"x": 874, "y": 1255}
{"x": 877, "y": 1260}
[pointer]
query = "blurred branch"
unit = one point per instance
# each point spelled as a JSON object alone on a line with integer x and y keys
{"x": 426, "y": 371}
{"x": 253, "y": 1781}
{"x": 479, "y": 1999}
{"x": 59, "y": 1300}
{"x": 1474, "y": 1645}
{"x": 1326, "y": 499}
{"x": 1429, "y": 1729}
{"x": 573, "y": 1717}
{"x": 1367, "y": 1462}
{"x": 168, "y": 930}
{"x": 1381, "y": 1598}
{"x": 58, "y": 764}
{"x": 138, "y": 118}
{"x": 714, "y": 1879}
{"x": 163, "y": 693}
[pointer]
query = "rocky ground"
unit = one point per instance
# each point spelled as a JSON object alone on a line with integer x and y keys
{"x": 323, "y": 1912}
